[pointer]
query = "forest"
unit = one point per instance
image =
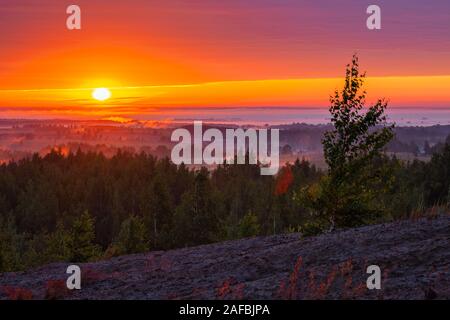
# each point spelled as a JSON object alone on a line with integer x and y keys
{"x": 84, "y": 206}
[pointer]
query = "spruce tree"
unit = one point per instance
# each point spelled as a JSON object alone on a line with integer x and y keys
{"x": 82, "y": 235}
{"x": 132, "y": 236}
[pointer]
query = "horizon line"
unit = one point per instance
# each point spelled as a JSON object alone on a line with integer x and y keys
{"x": 187, "y": 85}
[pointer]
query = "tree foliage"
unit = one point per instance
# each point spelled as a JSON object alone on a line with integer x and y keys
{"x": 349, "y": 195}
{"x": 133, "y": 237}
{"x": 82, "y": 235}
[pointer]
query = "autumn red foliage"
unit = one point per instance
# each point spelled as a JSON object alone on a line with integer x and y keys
{"x": 284, "y": 180}
{"x": 56, "y": 289}
{"x": 311, "y": 287}
{"x": 229, "y": 289}
{"x": 17, "y": 293}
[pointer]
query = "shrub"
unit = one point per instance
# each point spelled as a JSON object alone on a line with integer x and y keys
{"x": 17, "y": 293}
{"x": 249, "y": 226}
{"x": 56, "y": 289}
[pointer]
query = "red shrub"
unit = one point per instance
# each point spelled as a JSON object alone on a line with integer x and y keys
{"x": 16, "y": 293}
{"x": 281, "y": 292}
{"x": 90, "y": 275}
{"x": 359, "y": 290}
{"x": 316, "y": 289}
{"x": 284, "y": 180}
{"x": 324, "y": 286}
{"x": 229, "y": 291}
{"x": 346, "y": 267}
{"x": 56, "y": 289}
{"x": 294, "y": 279}
{"x": 290, "y": 292}
{"x": 224, "y": 289}
{"x": 238, "y": 291}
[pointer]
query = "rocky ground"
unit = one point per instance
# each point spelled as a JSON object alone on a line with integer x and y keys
{"x": 414, "y": 257}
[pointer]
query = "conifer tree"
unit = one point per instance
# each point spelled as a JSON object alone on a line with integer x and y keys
{"x": 82, "y": 236}
{"x": 132, "y": 236}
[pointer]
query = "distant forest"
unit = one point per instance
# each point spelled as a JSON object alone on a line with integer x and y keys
{"x": 412, "y": 140}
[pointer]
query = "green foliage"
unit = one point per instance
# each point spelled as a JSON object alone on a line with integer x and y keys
{"x": 137, "y": 203}
{"x": 196, "y": 217}
{"x": 355, "y": 139}
{"x": 10, "y": 246}
{"x": 448, "y": 198}
{"x": 437, "y": 180}
{"x": 160, "y": 215}
{"x": 349, "y": 195}
{"x": 313, "y": 227}
{"x": 249, "y": 226}
{"x": 59, "y": 244}
{"x": 132, "y": 237}
{"x": 82, "y": 235}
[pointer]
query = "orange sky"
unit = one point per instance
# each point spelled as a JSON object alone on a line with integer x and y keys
{"x": 131, "y": 101}
{"x": 164, "y": 57}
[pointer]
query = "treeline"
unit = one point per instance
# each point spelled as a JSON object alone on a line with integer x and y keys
{"x": 82, "y": 206}
{"x": 85, "y": 206}
{"x": 412, "y": 147}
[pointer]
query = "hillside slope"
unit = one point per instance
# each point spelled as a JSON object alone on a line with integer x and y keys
{"x": 414, "y": 257}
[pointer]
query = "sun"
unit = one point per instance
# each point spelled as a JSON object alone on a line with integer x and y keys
{"x": 101, "y": 94}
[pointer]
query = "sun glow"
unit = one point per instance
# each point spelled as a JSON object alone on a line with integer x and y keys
{"x": 101, "y": 94}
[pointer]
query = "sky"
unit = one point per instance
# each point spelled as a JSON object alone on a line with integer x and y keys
{"x": 190, "y": 58}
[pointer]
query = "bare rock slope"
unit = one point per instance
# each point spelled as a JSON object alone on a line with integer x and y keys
{"x": 414, "y": 257}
